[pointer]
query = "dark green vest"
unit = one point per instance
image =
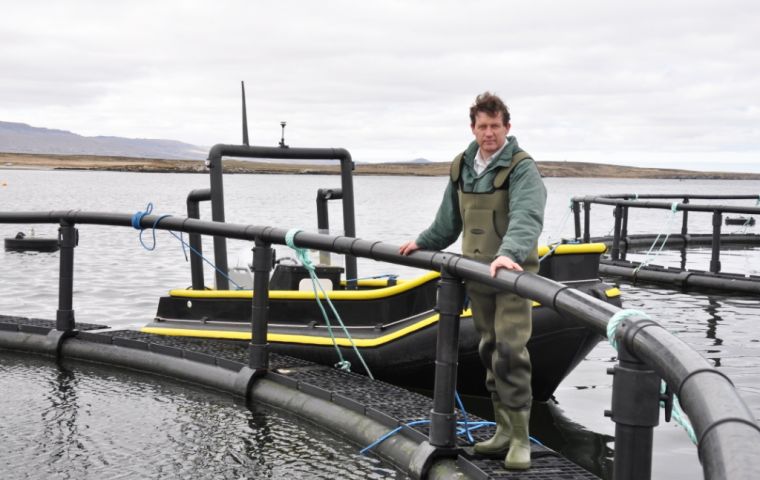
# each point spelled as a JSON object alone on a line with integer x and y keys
{"x": 485, "y": 215}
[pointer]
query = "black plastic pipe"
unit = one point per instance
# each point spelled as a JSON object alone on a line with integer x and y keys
{"x": 214, "y": 163}
{"x": 577, "y": 218}
{"x": 685, "y": 221}
{"x": 689, "y": 207}
{"x": 635, "y": 408}
{"x": 681, "y": 278}
{"x": 617, "y": 232}
{"x": 443, "y": 417}
{"x": 68, "y": 238}
{"x": 323, "y": 219}
{"x": 196, "y": 262}
{"x": 586, "y": 221}
{"x": 259, "y": 347}
{"x": 634, "y": 196}
{"x": 677, "y": 241}
{"x": 717, "y": 221}
{"x": 323, "y": 196}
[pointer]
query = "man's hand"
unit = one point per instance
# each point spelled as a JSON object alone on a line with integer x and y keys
{"x": 408, "y": 247}
{"x": 504, "y": 262}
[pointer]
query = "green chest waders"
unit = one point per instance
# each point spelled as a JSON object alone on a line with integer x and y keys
{"x": 503, "y": 319}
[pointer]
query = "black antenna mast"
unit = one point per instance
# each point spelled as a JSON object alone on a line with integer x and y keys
{"x": 282, "y": 140}
{"x": 245, "y": 117}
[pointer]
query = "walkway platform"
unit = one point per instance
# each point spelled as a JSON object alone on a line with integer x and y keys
{"x": 384, "y": 403}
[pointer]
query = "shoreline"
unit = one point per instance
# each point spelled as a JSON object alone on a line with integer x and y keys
{"x": 28, "y": 161}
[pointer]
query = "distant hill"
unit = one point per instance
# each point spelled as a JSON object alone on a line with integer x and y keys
{"x": 132, "y": 164}
{"x": 23, "y": 138}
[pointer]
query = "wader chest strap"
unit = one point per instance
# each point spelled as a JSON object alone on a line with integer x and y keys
{"x": 501, "y": 176}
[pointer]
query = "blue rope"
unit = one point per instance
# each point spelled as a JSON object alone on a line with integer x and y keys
{"x": 137, "y": 224}
{"x": 463, "y": 427}
{"x": 303, "y": 256}
{"x": 464, "y": 416}
{"x": 390, "y": 434}
{"x": 678, "y": 414}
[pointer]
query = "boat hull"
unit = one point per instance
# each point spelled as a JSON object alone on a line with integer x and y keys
{"x": 401, "y": 352}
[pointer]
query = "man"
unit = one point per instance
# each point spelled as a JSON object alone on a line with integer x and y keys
{"x": 496, "y": 199}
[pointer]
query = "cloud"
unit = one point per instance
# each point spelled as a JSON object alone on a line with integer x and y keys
{"x": 664, "y": 82}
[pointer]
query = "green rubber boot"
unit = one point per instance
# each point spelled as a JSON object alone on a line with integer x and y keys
{"x": 518, "y": 457}
{"x": 499, "y": 443}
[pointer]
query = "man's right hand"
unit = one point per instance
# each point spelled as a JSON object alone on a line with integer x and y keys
{"x": 408, "y": 247}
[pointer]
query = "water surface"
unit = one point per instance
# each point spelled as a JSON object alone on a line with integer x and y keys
{"x": 117, "y": 281}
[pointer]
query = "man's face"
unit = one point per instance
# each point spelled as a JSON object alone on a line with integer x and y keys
{"x": 490, "y": 132}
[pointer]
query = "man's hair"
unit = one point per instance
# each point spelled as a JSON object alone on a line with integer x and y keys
{"x": 490, "y": 104}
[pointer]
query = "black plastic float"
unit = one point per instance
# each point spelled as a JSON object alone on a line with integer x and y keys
{"x": 22, "y": 243}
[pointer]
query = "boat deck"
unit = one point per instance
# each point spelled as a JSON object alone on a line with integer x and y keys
{"x": 385, "y": 403}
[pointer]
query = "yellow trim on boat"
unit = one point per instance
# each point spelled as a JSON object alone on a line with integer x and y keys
{"x": 300, "y": 339}
{"x": 612, "y": 292}
{"x": 573, "y": 248}
{"x": 303, "y": 339}
{"x": 309, "y": 295}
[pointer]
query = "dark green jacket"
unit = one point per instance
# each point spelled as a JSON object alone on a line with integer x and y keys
{"x": 527, "y": 200}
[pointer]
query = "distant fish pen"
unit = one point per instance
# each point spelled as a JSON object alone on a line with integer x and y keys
{"x": 621, "y": 242}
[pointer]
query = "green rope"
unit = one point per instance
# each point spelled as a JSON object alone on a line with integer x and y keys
{"x": 648, "y": 258}
{"x": 678, "y": 414}
{"x": 303, "y": 255}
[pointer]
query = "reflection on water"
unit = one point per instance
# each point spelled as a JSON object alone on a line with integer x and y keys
{"x": 77, "y": 421}
{"x": 592, "y": 451}
{"x": 720, "y": 326}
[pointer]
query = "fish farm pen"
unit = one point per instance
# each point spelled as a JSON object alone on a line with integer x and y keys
{"x": 621, "y": 242}
{"x": 363, "y": 410}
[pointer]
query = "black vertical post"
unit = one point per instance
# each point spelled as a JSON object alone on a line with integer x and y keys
{"x": 259, "y": 347}
{"x": 196, "y": 244}
{"x": 323, "y": 218}
{"x": 624, "y": 232}
{"x": 717, "y": 220}
{"x": 214, "y": 163}
{"x": 635, "y": 411}
{"x": 349, "y": 225}
{"x": 586, "y": 222}
{"x": 685, "y": 223}
{"x": 616, "y": 233}
{"x": 442, "y": 417}
{"x": 68, "y": 238}
{"x": 577, "y": 217}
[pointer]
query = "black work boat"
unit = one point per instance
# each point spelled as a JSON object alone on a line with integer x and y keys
{"x": 392, "y": 323}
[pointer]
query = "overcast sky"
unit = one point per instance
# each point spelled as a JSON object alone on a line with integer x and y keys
{"x": 644, "y": 83}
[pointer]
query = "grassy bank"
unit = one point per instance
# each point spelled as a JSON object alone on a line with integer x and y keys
{"x": 129, "y": 164}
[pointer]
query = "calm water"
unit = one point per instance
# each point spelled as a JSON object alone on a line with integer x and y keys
{"x": 80, "y": 420}
{"x": 117, "y": 281}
